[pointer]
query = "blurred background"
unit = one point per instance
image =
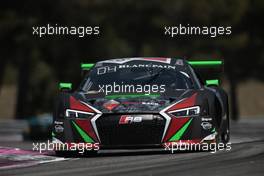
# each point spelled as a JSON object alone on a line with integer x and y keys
{"x": 31, "y": 67}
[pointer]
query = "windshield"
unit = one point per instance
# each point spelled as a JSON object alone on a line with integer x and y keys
{"x": 168, "y": 79}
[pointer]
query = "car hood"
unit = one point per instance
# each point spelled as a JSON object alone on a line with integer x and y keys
{"x": 133, "y": 103}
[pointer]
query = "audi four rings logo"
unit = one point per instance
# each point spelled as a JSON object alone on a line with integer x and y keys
{"x": 126, "y": 119}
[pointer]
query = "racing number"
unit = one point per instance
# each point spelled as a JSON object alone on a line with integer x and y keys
{"x": 106, "y": 69}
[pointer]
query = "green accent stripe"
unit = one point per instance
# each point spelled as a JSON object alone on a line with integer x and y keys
{"x": 53, "y": 134}
{"x": 131, "y": 96}
{"x": 177, "y": 136}
{"x": 206, "y": 63}
{"x": 212, "y": 82}
{"x": 85, "y": 137}
{"x": 65, "y": 86}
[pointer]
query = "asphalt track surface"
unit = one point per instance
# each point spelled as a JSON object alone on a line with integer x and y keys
{"x": 245, "y": 158}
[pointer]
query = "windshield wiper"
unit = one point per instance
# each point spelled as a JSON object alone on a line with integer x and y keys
{"x": 149, "y": 74}
{"x": 156, "y": 75}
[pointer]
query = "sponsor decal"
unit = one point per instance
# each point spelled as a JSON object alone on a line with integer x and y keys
{"x": 58, "y": 122}
{"x": 111, "y": 104}
{"x": 130, "y": 103}
{"x": 127, "y": 119}
{"x": 206, "y": 125}
{"x": 150, "y": 103}
{"x": 179, "y": 62}
{"x": 206, "y": 119}
{"x": 59, "y": 128}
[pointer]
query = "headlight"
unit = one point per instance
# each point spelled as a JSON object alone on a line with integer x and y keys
{"x": 78, "y": 114}
{"x": 191, "y": 111}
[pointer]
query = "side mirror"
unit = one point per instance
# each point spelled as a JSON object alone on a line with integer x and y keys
{"x": 212, "y": 82}
{"x": 65, "y": 87}
{"x": 86, "y": 68}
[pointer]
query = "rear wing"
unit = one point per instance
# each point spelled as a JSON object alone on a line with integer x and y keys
{"x": 86, "y": 66}
{"x": 208, "y": 71}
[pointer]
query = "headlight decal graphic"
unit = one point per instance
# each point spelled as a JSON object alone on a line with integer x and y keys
{"x": 190, "y": 111}
{"x": 83, "y": 134}
{"x": 89, "y": 123}
{"x": 177, "y": 136}
{"x": 173, "y": 124}
{"x": 77, "y": 105}
{"x": 87, "y": 127}
{"x": 186, "y": 103}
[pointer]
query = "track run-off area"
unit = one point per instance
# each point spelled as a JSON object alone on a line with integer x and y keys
{"x": 245, "y": 158}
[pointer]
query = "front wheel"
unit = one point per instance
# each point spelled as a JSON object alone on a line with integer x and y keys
{"x": 68, "y": 154}
{"x": 225, "y": 136}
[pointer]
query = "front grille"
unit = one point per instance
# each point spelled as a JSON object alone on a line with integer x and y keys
{"x": 147, "y": 132}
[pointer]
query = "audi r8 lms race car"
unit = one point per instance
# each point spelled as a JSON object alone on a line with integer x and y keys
{"x": 142, "y": 103}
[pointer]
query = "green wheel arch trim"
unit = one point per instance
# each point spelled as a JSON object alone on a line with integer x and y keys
{"x": 83, "y": 134}
{"x": 177, "y": 136}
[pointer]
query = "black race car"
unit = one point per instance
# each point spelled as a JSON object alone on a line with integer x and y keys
{"x": 142, "y": 102}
